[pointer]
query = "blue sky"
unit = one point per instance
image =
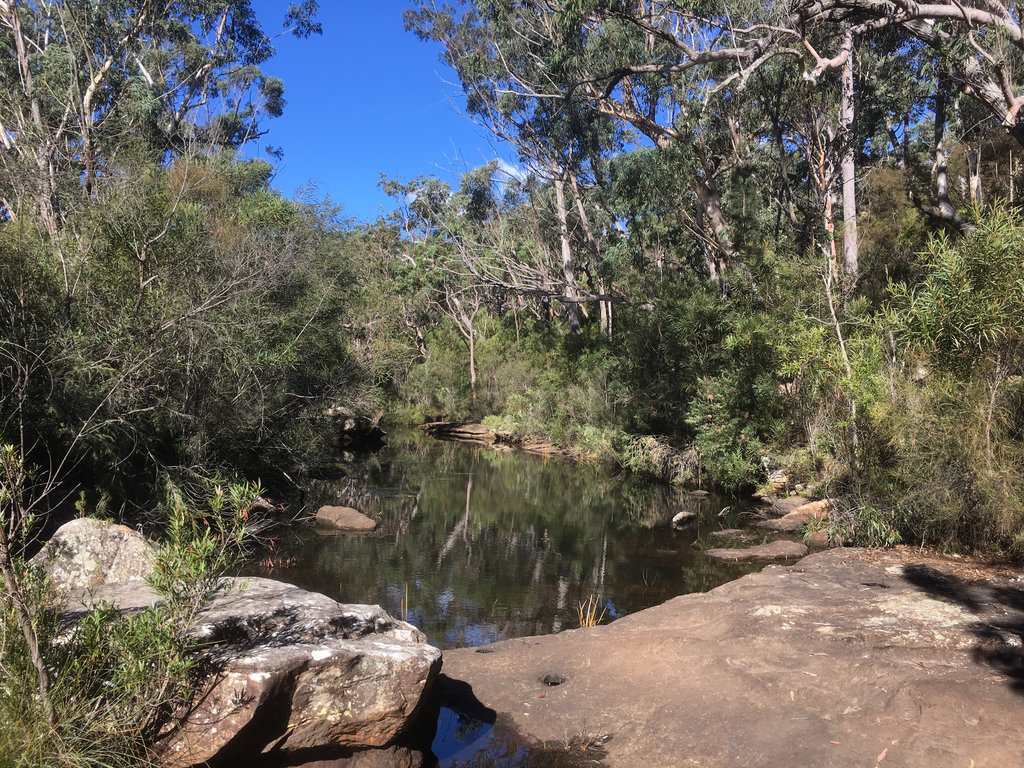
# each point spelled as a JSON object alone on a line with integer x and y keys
{"x": 365, "y": 98}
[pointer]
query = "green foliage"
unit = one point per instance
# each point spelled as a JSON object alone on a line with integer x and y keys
{"x": 864, "y": 526}
{"x": 970, "y": 304}
{"x": 947, "y": 426}
{"x": 954, "y": 462}
{"x": 202, "y": 542}
{"x": 119, "y": 678}
{"x": 649, "y": 456}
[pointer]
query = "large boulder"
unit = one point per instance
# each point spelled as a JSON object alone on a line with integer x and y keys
{"x": 782, "y": 507}
{"x": 88, "y": 552}
{"x": 290, "y": 671}
{"x": 287, "y": 669}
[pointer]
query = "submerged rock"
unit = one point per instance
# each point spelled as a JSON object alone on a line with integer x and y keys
{"x": 89, "y": 552}
{"x": 737, "y": 534}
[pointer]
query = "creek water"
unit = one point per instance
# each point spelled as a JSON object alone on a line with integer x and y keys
{"x": 474, "y": 546}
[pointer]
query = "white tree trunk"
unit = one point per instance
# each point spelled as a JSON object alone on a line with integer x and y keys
{"x": 568, "y": 272}
{"x": 848, "y": 167}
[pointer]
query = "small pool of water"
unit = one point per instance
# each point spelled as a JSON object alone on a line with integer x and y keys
{"x": 474, "y": 546}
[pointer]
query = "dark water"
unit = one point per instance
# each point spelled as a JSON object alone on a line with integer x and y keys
{"x": 474, "y": 546}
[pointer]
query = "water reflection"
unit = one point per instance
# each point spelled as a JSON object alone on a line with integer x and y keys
{"x": 474, "y": 546}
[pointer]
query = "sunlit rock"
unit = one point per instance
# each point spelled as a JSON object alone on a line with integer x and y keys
{"x": 775, "y": 550}
{"x": 344, "y": 519}
{"x": 88, "y": 552}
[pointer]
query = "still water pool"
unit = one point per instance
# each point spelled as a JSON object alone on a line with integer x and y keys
{"x": 474, "y": 546}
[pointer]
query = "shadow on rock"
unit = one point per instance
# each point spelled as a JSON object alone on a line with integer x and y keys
{"x": 999, "y": 607}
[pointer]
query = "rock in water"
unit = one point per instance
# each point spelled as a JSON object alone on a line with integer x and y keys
{"x": 89, "y": 552}
{"x": 344, "y": 519}
{"x": 682, "y": 518}
{"x": 775, "y": 550}
{"x": 355, "y": 431}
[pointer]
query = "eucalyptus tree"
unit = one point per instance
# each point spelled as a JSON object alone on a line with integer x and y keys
{"x": 136, "y": 252}
{"x": 561, "y": 140}
{"x": 89, "y": 82}
{"x": 663, "y": 66}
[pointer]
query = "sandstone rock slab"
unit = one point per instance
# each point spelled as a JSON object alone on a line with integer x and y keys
{"x": 773, "y": 550}
{"x": 291, "y": 669}
{"x": 344, "y": 519}
{"x": 782, "y": 507}
{"x": 850, "y": 657}
{"x": 794, "y": 521}
{"x": 87, "y": 553}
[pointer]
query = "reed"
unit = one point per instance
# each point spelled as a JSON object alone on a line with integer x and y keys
{"x": 588, "y": 611}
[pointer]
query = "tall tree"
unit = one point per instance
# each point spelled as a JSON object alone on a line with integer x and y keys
{"x": 88, "y": 81}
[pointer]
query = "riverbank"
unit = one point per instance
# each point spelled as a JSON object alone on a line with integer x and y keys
{"x": 850, "y": 657}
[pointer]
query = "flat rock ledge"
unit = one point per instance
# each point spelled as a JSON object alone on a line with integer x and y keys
{"x": 849, "y": 658}
{"x": 773, "y": 550}
{"x": 296, "y": 673}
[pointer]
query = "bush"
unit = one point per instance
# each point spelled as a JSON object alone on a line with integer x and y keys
{"x": 119, "y": 679}
{"x": 954, "y": 421}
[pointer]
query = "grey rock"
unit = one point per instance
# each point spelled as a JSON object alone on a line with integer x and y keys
{"x": 88, "y": 552}
{"x": 684, "y": 517}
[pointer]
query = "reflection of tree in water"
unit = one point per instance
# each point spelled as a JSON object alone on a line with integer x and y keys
{"x": 491, "y": 546}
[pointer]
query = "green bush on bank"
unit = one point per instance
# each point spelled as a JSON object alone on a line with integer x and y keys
{"x": 119, "y": 679}
{"x": 949, "y": 456}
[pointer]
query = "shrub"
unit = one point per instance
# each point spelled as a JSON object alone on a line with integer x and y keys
{"x": 118, "y": 678}
{"x": 954, "y": 422}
